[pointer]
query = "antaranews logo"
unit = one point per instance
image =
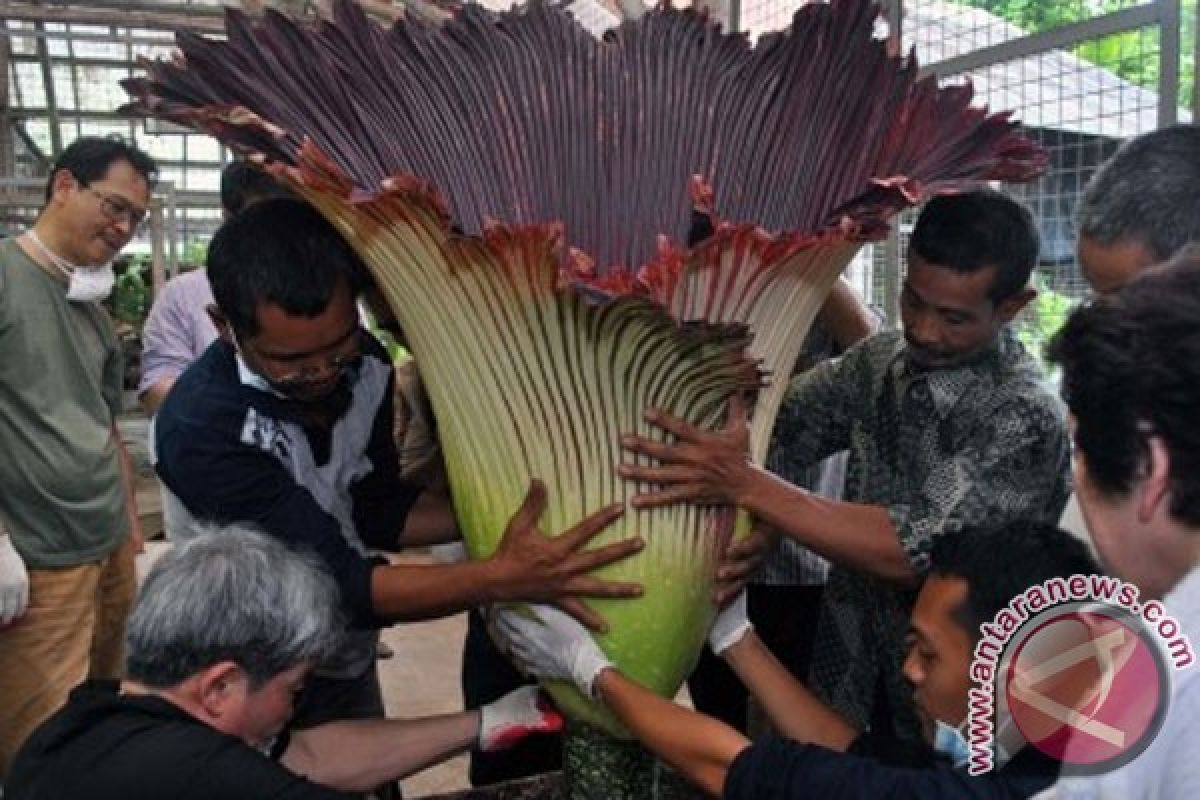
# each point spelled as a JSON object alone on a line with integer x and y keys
{"x": 1083, "y": 669}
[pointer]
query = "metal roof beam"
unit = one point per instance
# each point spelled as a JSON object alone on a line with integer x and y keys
{"x": 138, "y": 15}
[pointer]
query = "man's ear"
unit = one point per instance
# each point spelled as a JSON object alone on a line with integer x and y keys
{"x": 1155, "y": 488}
{"x": 62, "y": 183}
{"x": 220, "y": 322}
{"x": 219, "y": 688}
{"x": 1011, "y": 306}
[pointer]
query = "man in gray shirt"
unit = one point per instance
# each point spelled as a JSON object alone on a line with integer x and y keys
{"x": 68, "y": 524}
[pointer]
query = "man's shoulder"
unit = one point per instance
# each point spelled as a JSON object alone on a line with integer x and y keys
{"x": 191, "y": 287}
{"x": 878, "y": 347}
{"x": 869, "y": 357}
{"x": 14, "y": 263}
{"x": 106, "y": 745}
{"x": 207, "y": 397}
{"x": 1022, "y": 388}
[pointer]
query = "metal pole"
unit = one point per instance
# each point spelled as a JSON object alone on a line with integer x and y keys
{"x": 891, "y": 275}
{"x": 172, "y": 231}
{"x": 43, "y": 52}
{"x": 157, "y": 276}
{"x": 1168, "y": 70}
{"x": 1195, "y": 60}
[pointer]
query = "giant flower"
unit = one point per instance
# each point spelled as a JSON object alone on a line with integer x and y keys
{"x": 523, "y": 193}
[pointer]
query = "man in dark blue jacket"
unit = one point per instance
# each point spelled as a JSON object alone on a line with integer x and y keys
{"x": 285, "y": 424}
{"x": 823, "y": 755}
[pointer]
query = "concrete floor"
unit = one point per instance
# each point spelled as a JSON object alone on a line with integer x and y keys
{"x": 422, "y": 679}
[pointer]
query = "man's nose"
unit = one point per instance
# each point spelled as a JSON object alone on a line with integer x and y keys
{"x": 912, "y": 670}
{"x": 923, "y": 330}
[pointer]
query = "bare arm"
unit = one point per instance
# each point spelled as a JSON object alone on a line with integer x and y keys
{"x": 153, "y": 396}
{"x": 430, "y": 521}
{"x": 714, "y": 467}
{"x": 845, "y": 317}
{"x": 528, "y": 566}
{"x": 699, "y": 746}
{"x": 794, "y": 710}
{"x": 358, "y": 755}
{"x": 854, "y": 535}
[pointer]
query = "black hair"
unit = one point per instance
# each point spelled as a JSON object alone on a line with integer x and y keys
{"x": 976, "y": 230}
{"x": 999, "y": 564}
{"x": 282, "y": 252}
{"x": 1148, "y": 193}
{"x": 1131, "y": 370}
{"x": 243, "y": 184}
{"x": 88, "y": 159}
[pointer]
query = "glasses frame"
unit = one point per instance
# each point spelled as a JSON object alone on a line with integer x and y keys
{"x": 118, "y": 209}
{"x": 298, "y": 378}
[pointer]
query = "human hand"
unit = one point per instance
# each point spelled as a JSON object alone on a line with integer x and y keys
{"x": 551, "y": 645}
{"x": 503, "y": 723}
{"x": 533, "y": 567}
{"x": 703, "y": 467}
{"x": 14, "y": 581}
{"x": 730, "y": 626}
{"x": 742, "y": 558}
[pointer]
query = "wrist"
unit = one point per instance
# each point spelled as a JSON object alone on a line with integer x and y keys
{"x": 491, "y": 581}
{"x": 746, "y": 486}
{"x": 602, "y": 682}
{"x": 736, "y": 651}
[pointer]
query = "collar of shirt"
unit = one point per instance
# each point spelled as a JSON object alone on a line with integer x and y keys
{"x": 948, "y": 386}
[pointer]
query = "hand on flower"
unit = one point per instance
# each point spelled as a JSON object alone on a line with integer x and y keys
{"x": 533, "y": 567}
{"x": 14, "y": 581}
{"x": 704, "y": 467}
{"x": 742, "y": 559}
{"x": 546, "y": 643}
{"x": 730, "y": 626}
{"x": 505, "y": 722}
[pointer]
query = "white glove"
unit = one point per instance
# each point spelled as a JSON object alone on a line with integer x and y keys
{"x": 14, "y": 581}
{"x": 730, "y": 625}
{"x": 551, "y": 645}
{"x": 505, "y": 722}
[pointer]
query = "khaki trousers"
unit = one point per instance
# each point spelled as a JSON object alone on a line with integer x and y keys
{"x": 73, "y": 629}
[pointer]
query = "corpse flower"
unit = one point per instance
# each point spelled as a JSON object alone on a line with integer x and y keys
{"x": 523, "y": 194}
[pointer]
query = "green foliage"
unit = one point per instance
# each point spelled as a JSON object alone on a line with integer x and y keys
{"x": 1133, "y": 55}
{"x": 1042, "y": 319}
{"x": 193, "y": 252}
{"x": 131, "y": 298}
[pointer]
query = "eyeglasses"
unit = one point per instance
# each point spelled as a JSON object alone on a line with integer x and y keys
{"x": 118, "y": 209}
{"x": 299, "y": 379}
{"x": 346, "y": 358}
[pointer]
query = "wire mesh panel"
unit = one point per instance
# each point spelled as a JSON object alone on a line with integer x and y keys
{"x": 942, "y": 30}
{"x": 759, "y": 16}
{"x": 1079, "y": 102}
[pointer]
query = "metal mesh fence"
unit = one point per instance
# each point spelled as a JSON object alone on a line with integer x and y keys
{"x": 1079, "y": 102}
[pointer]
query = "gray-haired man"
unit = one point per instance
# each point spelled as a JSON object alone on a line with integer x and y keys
{"x": 224, "y": 633}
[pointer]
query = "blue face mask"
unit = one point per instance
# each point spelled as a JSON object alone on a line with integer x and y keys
{"x": 950, "y": 742}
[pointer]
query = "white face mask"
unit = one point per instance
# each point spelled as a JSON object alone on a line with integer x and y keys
{"x": 84, "y": 284}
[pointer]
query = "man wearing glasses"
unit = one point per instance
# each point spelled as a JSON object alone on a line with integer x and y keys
{"x": 68, "y": 525}
{"x": 285, "y": 424}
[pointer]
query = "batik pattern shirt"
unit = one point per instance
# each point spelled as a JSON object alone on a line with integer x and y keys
{"x": 790, "y": 563}
{"x": 944, "y": 451}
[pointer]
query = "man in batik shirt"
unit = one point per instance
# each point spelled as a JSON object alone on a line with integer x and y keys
{"x": 949, "y": 428}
